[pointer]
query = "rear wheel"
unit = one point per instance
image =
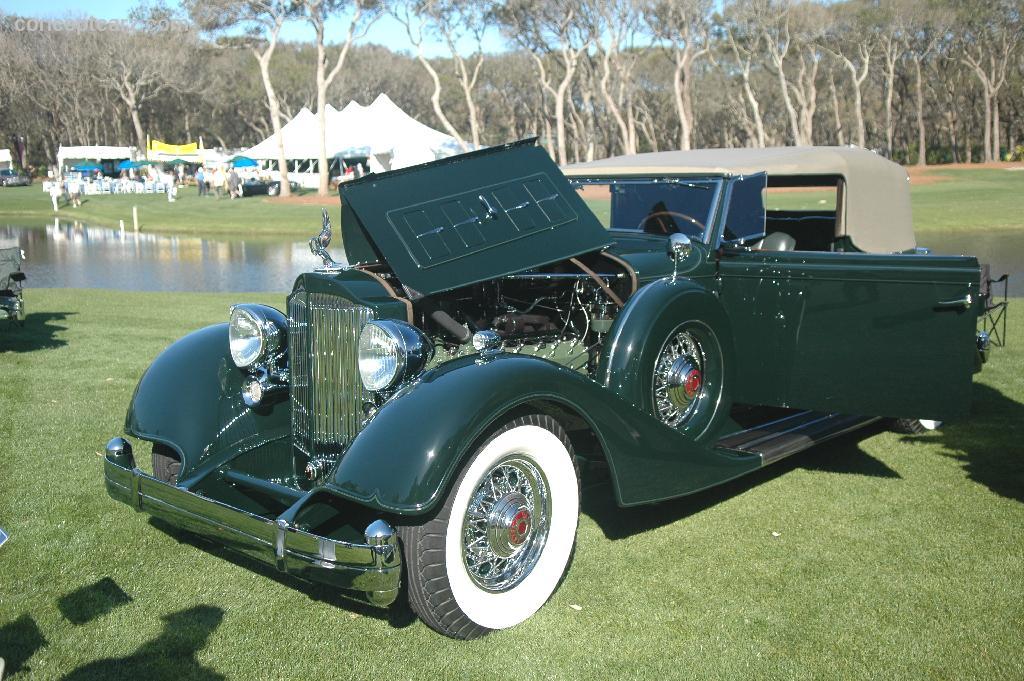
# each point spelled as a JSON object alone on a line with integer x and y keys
{"x": 499, "y": 546}
{"x": 166, "y": 464}
{"x": 916, "y": 426}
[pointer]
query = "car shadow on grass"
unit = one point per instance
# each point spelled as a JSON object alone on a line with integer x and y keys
{"x": 987, "y": 443}
{"x": 38, "y": 333}
{"x": 397, "y": 615}
{"x": 171, "y": 655}
{"x": 842, "y": 455}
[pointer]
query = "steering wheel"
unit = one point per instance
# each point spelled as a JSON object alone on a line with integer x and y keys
{"x": 672, "y": 214}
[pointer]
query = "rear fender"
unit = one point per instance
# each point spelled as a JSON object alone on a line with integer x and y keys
{"x": 406, "y": 457}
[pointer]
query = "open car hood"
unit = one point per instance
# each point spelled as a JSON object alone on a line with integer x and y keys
{"x": 468, "y": 218}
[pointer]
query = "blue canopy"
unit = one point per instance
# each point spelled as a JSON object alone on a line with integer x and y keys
{"x": 126, "y": 164}
{"x": 243, "y": 162}
{"x": 87, "y": 167}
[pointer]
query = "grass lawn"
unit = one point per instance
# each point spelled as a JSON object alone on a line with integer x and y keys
{"x": 875, "y": 556}
{"x": 190, "y": 214}
{"x": 962, "y": 200}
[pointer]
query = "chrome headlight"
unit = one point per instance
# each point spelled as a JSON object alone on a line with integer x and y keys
{"x": 256, "y": 334}
{"x": 390, "y": 352}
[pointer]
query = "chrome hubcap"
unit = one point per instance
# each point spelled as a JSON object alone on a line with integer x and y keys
{"x": 679, "y": 379}
{"x": 506, "y": 525}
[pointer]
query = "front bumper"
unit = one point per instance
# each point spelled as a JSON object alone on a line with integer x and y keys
{"x": 373, "y": 568}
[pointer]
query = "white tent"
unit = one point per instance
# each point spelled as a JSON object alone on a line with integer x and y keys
{"x": 300, "y": 139}
{"x": 70, "y": 155}
{"x": 383, "y": 128}
{"x": 381, "y": 131}
{"x": 5, "y": 159}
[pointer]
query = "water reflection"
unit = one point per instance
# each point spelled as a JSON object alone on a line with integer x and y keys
{"x": 74, "y": 254}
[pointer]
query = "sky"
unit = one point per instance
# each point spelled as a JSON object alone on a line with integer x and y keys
{"x": 386, "y": 31}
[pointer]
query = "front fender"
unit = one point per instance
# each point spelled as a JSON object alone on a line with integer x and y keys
{"x": 405, "y": 459}
{"x": 190, "y": 400}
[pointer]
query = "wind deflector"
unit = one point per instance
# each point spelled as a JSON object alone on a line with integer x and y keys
{"x": 468, "y": 218}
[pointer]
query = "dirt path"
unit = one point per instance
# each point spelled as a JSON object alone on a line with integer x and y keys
{"x": 926, "y": 175}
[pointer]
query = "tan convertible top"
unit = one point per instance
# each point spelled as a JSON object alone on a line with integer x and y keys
{"x": 874, "y": 198}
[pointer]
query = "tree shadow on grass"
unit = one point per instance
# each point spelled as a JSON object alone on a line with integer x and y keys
{"x": 988, "y": 443}
{"x": 171, "y": 655}
{"x": 396, "y": 615}
{"x": 38, "y": 333}
{"x": 19, "y": 641}
{"x": 842, "y": 455}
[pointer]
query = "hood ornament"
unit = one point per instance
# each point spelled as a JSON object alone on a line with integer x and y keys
{"x": 318, "y": 247}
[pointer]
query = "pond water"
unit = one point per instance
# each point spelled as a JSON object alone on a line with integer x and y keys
{"x": 64, "y": 254}
{"x": 72, "y": 254}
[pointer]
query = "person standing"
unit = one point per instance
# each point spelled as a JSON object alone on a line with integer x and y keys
{"x": 201, "y": 181}
{"x": 233, "y": 182}
{"x": 218, "y": 181}
{"x": 56, "y": 190}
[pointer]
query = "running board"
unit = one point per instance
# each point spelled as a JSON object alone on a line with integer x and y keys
{"x": 791, "y": 434}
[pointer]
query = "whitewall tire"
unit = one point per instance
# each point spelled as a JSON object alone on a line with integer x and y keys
{"x": 503, "y": 539}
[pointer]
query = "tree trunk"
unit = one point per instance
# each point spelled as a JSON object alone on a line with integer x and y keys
{"x": 840, "y": 133}
{"x": 996, "y": 142}
{"x": 987, "y": 97}
{"x": 613, "y": 106}
{"x": 435, "y": 101}
{"x": 755, "y": 107}
{"x": 922, "y": 149}
{"x": 890, "y": 78}
{"x": 275, "y": 112}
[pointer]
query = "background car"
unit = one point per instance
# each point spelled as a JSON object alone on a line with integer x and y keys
{"x": 268, "y": 187}
{"x": 9, "y": 177}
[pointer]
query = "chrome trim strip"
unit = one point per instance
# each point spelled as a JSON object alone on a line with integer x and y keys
{"x": 327, "y": 394}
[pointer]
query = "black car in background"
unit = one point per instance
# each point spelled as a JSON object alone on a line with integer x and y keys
{"x": 268, "y": 187}
{"x": 10, "y": 177}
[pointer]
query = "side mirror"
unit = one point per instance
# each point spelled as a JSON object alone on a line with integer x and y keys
{"x": 679, "y": 246}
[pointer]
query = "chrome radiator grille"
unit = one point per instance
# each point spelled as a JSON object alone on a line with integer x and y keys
{"x": 327, "y": 394}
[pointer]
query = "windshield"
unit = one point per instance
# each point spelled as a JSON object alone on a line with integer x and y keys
{"x": 655, "y": 206}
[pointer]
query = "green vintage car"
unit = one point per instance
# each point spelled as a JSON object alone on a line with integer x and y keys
{"x": 415, "y": 420}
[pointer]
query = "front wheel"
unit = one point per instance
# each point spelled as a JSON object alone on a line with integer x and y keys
{"x": 166, "y": 464}
{"x": 501, "y": 542}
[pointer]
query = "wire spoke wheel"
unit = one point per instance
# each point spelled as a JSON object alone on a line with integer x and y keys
{"x": 679, "y": 379}
{"x": 506, "y": 525}
{"x": 497, "y": 549}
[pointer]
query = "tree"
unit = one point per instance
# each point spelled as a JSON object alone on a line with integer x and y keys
{"x": 145, "y": 62}
{"x": 685, "y": 26}
{"x": 851, "y": 40}
{"x": 791, "y": 32}
{"x": 740, "y": 25}
{"x": 559, "y": 28}
{"x": 363, "y": 13}
{"x": 990, "y": 36}
{"x": 261, "y": 22}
